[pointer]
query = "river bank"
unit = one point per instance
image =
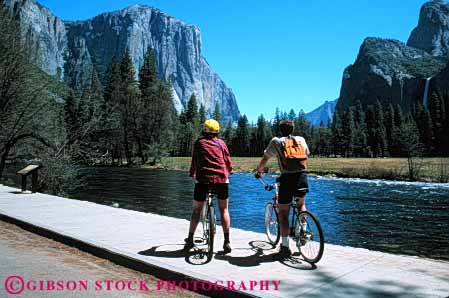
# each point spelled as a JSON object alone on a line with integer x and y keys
{"x": 426, "y": 169}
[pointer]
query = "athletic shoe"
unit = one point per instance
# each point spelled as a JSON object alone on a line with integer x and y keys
{"x": 227, "y": 247}
{"x": 188, "y": 244}
{"x": 284, "y": 252}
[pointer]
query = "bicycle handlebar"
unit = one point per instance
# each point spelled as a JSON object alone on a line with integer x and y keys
{"x": 267, "y": 187}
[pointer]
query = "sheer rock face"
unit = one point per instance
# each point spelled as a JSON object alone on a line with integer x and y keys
{"x": 322, "y": 114}
{"x": 432, "y": 32}
{"x": 46, "y": 35}
{"x": 76, "y": 47}
{"x": 386, "y": 70}
{"x": 391, "y": 71}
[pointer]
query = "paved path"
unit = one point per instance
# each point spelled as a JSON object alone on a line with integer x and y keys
{"x": 157, "y": 240}
{"x": 33, "y": 257}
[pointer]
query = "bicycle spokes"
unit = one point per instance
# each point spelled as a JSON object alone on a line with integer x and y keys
{"x": 272, "y": 224}
{"x": 309, "y": 237}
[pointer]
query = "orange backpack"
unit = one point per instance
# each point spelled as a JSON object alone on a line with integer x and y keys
{"x": 295, "y": 156}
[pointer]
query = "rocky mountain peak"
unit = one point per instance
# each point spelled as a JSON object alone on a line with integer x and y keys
{"x": 322, "y": 114}
{"x": 432, "y": 32}
{"x": 390, "y": 71}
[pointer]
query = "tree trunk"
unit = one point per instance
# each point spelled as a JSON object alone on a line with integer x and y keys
{"x": 3, "y": 163}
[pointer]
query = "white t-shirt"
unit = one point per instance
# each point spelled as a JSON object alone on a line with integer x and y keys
{"x": 274, "y": 149}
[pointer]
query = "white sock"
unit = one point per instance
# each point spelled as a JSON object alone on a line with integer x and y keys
{"x": 285, "y": 241}
{"x": 304, "y": 226}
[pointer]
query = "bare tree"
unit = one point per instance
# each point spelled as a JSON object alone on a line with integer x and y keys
{"x": 23, "y": 92}
{"x": 412, "y": 148}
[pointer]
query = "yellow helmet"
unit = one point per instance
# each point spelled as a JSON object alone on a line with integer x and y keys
{"x": 211, "y": 126}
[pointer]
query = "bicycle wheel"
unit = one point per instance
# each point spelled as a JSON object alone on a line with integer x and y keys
{"x": 211, "y": 233}
{"x": 310, "y": 237}
{"x": 273, "y": 229}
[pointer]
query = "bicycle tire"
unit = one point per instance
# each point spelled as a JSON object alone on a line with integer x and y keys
{"x": 272, "y": 227}
{"x": 311, "y": 241}
{"x": 211, "y": 233}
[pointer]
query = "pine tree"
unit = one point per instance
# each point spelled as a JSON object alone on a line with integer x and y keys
{"x": 398, "y": 116}
{"x": 92, "y": 105}
{"x": 337, "y": 134}
{"x": 164, "y": 120}
{"x": 261, "y": 135}
{"x": 217, "y": 114}
{"x": 228, "y": 136}
{"x": 253, "y": 141}
{"x": 380, "y": 132}
{"x": 302, "y": 127}
{"x": 424, "y": 125}
{"x": 192, "y": 110}
{"x": 148, "y": 75}
{"x": 360, "y": 143}
{"x": 348, "y": 128}
{"x": 445, "y": 140}
{"x": 437, "y": 114}
{"x": 148, "y": 85}
{"x": 127, "y": 71}
{"x": 360, "y": 131}
{"x": 190, "y": 126}
{"x": 291, "y": 115}
{"x": 323, "y": 140}
{"x": 276, "y": 121}
{"x": 389, "y": 127}
{"x": 359, "y": 116}
{"x": 242, "y": 137}
{"x": 112, "y": 121}
{"x": 112, "y": 90}
{"x": 128, "y": 102}
{"x": 202, "y": 116}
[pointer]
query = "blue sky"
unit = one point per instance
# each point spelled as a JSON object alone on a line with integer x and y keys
{"x": 286, "y": 54}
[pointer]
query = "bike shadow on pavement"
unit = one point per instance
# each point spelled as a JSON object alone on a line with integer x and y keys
{"x": 195, "y": 256}
{"x": 260, "y": 254}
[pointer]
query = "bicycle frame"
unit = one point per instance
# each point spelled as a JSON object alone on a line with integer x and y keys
{"x": 269, "y": 187}
{"x": 206, "y": 209}
{"x": 310, "y": 242}
{"x": 293, "y": 204}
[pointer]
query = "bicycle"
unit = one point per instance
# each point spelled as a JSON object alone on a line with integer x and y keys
{"x": 305, "y": 229}
{"x": 209, "y": 224}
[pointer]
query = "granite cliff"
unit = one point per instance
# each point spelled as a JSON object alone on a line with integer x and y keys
{"x": 69, "y": 50}
{"x": 392, "y": 71}
{"x": 432, "y": 32}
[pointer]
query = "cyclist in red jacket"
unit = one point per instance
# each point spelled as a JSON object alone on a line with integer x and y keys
{"x": 211, "y": 167}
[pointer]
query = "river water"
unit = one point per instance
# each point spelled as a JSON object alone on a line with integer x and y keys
{"x": 398, "y": 217}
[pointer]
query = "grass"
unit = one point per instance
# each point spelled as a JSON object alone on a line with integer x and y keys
{"x": 431, "y": 169}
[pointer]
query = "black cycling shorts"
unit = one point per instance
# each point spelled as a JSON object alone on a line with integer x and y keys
{"x": 292, "y": 185}
{"x": 201, "y": 191}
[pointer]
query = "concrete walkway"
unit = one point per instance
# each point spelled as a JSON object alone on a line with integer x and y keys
{"x": 153, "y": 242}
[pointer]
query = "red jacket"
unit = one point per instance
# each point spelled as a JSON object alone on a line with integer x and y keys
{"x": 211, "y": 162}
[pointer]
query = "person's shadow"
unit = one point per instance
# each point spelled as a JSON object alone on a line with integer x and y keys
{"x": 258, "y": 249}
{"x": 259, "y": 256}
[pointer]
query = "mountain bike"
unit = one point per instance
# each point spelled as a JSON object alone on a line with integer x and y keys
{"x": 209, "y": 223}
{"x": 305, "y": 229}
